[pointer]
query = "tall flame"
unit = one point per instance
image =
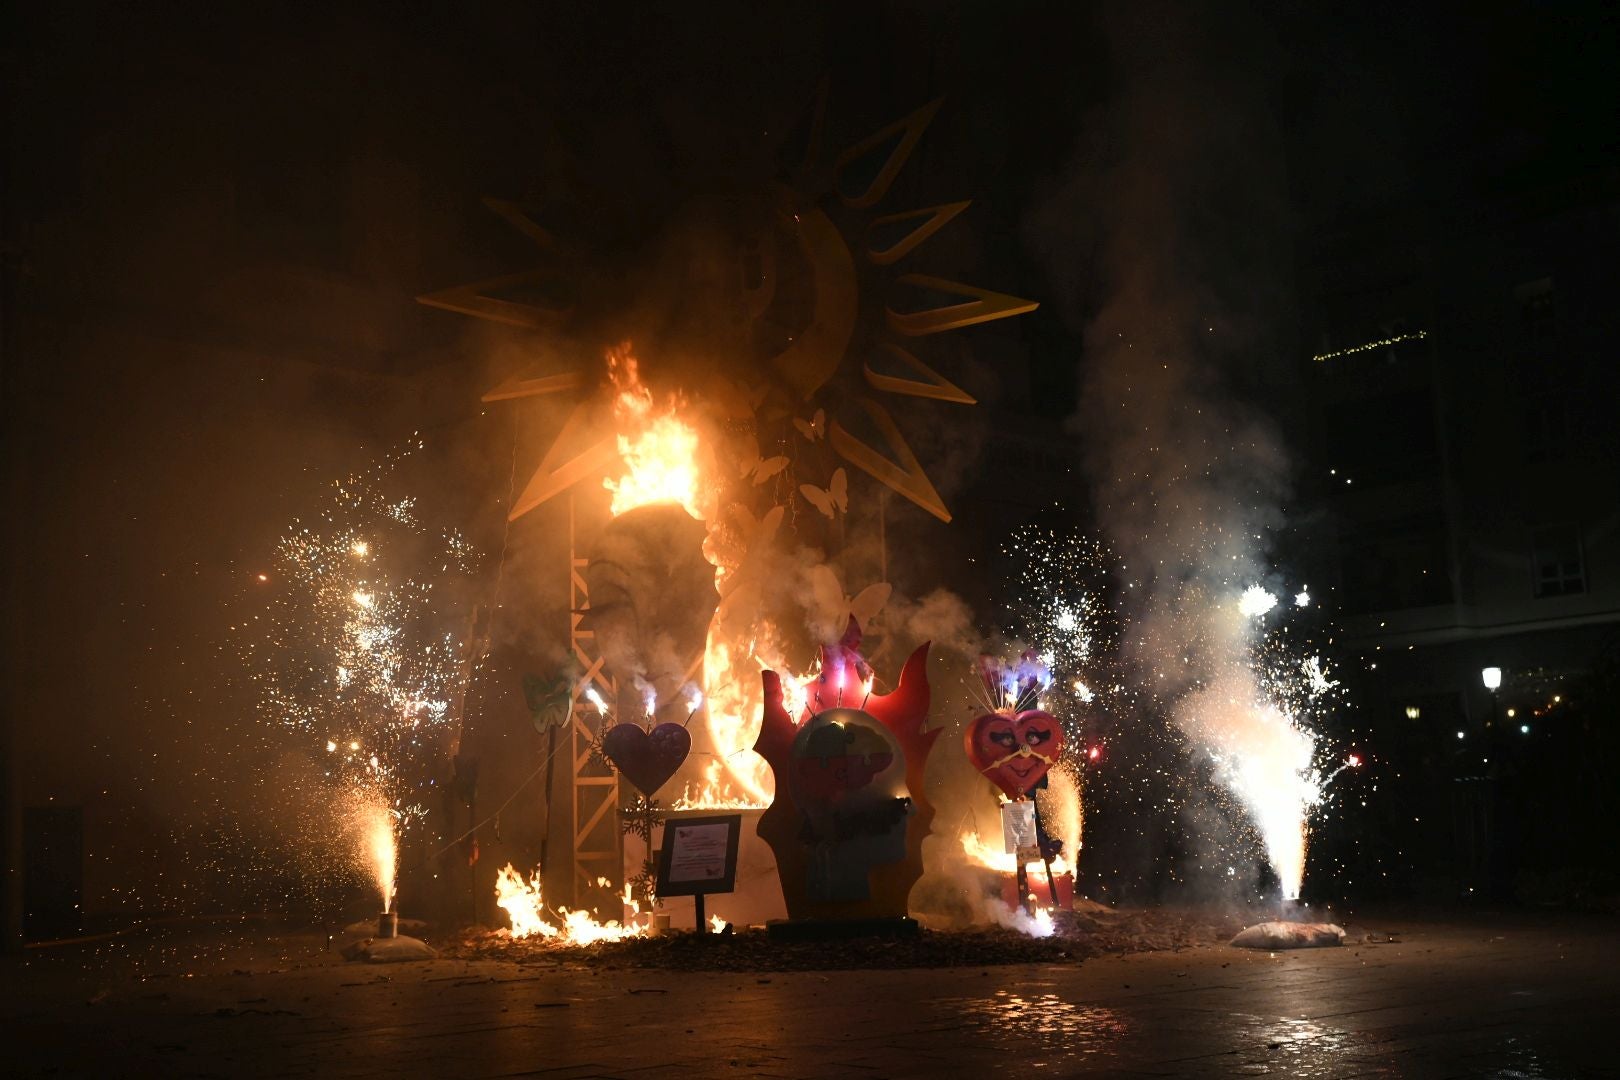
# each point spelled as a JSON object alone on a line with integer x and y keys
{"x": 661, "y": 452}
{"x": 735, "y": 699}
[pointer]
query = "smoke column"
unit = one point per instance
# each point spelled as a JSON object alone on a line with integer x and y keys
{"x": 1167, "y": 238}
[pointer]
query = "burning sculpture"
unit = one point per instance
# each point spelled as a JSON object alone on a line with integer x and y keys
{"x": 726, "y": 446}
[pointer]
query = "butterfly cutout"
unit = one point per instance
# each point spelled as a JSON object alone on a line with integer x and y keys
{"x": 813, "y": 428}
{"x": 834, "y": 498}
{"x": 769, "y": 468}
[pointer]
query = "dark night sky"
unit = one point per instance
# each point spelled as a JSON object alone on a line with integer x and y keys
{"x": 126, "y": 123}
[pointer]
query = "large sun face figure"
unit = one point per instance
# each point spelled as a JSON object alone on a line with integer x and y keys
{"x": 779, "y": 318}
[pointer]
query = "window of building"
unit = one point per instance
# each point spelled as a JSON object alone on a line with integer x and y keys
{"x": 1557, "y": 568}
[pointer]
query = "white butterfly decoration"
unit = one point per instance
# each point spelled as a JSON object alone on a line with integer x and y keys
{"x": 813, "y": 428}
{"x": 832, "y": 499}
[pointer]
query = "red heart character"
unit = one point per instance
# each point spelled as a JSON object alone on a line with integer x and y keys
{"x": 1014, "y": 750}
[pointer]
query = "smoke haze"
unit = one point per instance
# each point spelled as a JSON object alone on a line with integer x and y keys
{"x": 1169, "y": 239}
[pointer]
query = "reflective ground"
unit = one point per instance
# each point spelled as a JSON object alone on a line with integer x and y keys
{"x": 1505, "y": 995}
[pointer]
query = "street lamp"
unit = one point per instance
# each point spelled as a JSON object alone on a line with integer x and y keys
{"x": 1413, "y": 712}
{"x": 1492, "y": 678}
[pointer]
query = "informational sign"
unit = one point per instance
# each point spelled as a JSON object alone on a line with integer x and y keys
{"x": 699, "y": 855}
{"x": 1018, "y": 826}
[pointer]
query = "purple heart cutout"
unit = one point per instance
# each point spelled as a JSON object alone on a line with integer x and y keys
{"x": 647, "y": 760}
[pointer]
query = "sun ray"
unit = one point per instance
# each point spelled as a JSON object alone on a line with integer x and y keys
{"x": 933, "y": 385}
{"x": 545, "y": 384}
{"x": 475, "y": 299}
{"x": 519, "y": 217}
{"x": 906, "y": 478}
{"x": 937, "y": 218}
{"x": 985, "y": 306}
{"x": 573, "y": 457}
{"x": 908, "y": 129}
{"x": 806, "y": 133}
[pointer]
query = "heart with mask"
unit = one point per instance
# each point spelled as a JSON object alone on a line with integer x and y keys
{"x": 1014, "y": 749}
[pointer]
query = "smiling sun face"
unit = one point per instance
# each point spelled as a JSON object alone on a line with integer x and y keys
{"x": 771, "y": 298}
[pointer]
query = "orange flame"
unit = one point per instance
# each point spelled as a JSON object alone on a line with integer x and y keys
{"x": 661, "y": 452}
{"x": 995, "y": 858}
{"x": 715, "y": 792}
{"x": 735, "y": 700}
{"x": 524, "y": 904}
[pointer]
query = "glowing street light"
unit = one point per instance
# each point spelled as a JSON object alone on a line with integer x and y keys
{"x": 1492, "y": 677}
{"x": 1413, "y": 712}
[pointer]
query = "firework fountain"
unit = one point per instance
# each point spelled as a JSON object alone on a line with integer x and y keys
{"x": 1253, "y": 711}
{"x": 357, "y": 662}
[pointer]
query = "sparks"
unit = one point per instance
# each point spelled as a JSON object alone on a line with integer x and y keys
{"x": 357, "y": 640}
{"x": 1255, "y": 602}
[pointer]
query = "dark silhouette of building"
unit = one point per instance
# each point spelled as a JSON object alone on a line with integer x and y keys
{"x": 1463, "y": 399}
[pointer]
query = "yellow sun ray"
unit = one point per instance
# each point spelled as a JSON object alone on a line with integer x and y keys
{"x": 573, "y": 457}
{"x": 908, "y": 129}
{"x": 907, "y": 478}
{"x": 545, "y": 384}
{"x": 934, "y": 385}
{"x": 938, "y": 217}
{"x": 985, "y": 306}
{"x": 475, "y": 299}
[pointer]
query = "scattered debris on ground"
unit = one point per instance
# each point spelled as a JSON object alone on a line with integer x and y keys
{"x": 1093, "y": 930}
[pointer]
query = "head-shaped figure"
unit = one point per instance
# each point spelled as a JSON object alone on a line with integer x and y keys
{"x": 1014, "y": 749}
{"x": 848, "y": 779}
{"x": 652, "y": 594}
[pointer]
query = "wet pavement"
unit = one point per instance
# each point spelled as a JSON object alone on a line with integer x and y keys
{"x": 1508, "y": 995}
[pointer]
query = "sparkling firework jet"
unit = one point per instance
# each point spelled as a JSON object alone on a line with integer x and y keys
{"x": 1258, "y": 720}
{"x": 357, "y": 659}
{"x": 1247, "y": 691}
